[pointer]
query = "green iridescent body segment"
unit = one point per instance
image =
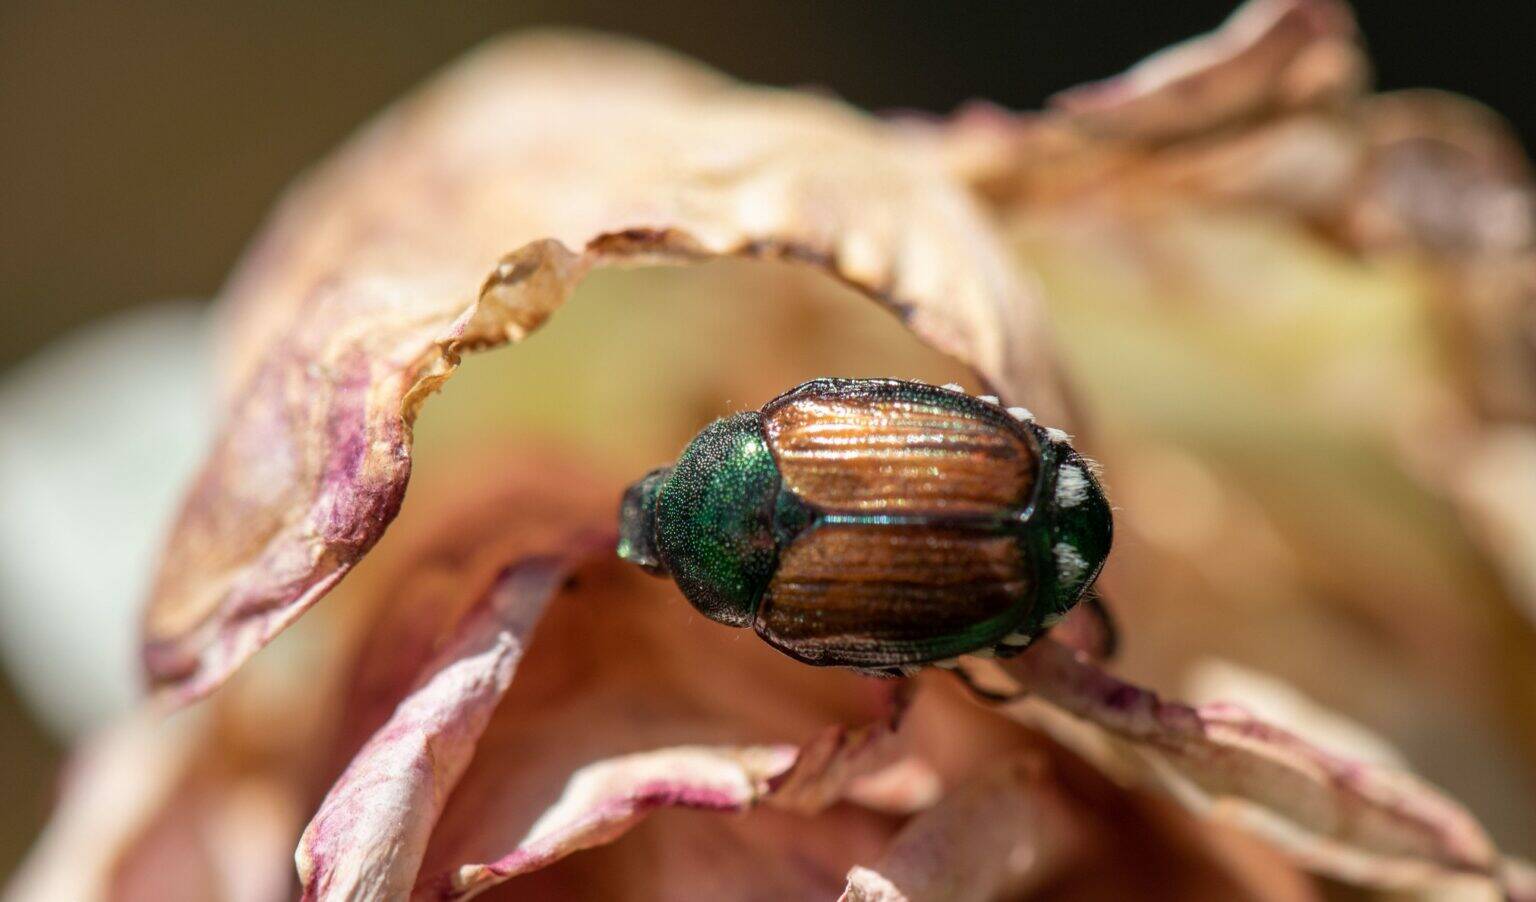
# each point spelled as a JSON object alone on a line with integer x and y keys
{"x": 875, "y": 524}
{"x": 715, "y": 519}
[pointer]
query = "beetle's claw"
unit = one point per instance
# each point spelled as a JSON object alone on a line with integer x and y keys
{"x": 895, "y": 672}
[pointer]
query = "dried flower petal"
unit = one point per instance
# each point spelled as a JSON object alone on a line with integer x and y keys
{"x": 1354, "y": 821}
{"x": 462, "y": 221}
{"x": 993, "y": 838}
{"x": 370, "y": 833}
{"x": 604, "y": 800}
{"x": 1045, "y": 824}
{"x": 1270, "y": 53}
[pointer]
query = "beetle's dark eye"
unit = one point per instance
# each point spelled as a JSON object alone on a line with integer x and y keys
{"x": 637, "y": 522}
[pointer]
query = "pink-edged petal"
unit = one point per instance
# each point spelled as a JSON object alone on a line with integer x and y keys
{"x": 462, "y": 221}
{"x": 1357, "y": 822}
{"x": 604, "y": 800}
{"x": 368, "y": 837}
{"x": 1270, "y": 53}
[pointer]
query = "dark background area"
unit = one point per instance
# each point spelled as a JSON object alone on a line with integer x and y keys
{"x": 140, "y": 148}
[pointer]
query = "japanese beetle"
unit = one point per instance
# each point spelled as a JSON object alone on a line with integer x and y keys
{"x": 875, "y": 524}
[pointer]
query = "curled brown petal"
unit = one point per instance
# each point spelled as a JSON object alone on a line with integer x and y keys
{"x": 1353, "y": 821}
{"x": 463, "y": 220}
{"x": 1270, "y": 53}
{"x": 1042, "y": 823}
{"x": 993, "y": 838}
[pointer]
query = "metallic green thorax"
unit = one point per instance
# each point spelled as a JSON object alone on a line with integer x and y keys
{"x": 714, "y": 522}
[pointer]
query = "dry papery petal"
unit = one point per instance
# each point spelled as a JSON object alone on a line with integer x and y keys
{"x": 994, "y": 838}
{"x": 1269, "y": 54}
{"x": 1357, "y": 822}
{"x": 368, "y": 836}
{"x": 632, "y": 702}
{"x": 462, "y": 220}
{"x": 604, "y": 800}
{"x": 1038, "y": 826}
{"x": 1252, "y": 111}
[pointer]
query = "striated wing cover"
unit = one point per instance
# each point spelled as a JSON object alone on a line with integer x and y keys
{"x": 890, "y": 447}
{"x": 880, "y": 594}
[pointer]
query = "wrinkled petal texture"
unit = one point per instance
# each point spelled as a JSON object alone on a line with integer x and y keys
{"x": 462, "y": 220}
{"x": 604, "y": 800}
{"x": 1270, "y": 53}
{"x": 1356, "y": 821}
{"x": 369, "y": 835}
{"x": 1038, "y": 826}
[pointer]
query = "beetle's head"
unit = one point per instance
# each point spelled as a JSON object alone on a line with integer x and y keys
{"x": 637, "y": 522}
{"x": 1082, "y": 529}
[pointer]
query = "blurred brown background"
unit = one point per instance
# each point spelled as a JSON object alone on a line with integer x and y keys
{"x": 139, "y": 148}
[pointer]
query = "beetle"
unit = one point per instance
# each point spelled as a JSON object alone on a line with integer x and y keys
{"x": 876, "y": 524}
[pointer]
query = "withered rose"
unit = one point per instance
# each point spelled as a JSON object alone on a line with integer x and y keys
{"x": 491, "y": 704}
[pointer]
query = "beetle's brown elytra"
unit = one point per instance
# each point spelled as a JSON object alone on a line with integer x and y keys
{"x": 856, "y": 453}
{"x": 875, "y": 524}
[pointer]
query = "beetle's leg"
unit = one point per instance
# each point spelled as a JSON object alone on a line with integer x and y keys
{"x": 982, "y": 692}
{"x": 1108, "y": 631}
{"x": 1089, "y": 627}
{"x": 894, "y": 672}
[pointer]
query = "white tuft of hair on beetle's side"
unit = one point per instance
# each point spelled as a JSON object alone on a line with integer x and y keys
{"x": 1071, "y": 486}
{"x": 1070, "y": 566}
